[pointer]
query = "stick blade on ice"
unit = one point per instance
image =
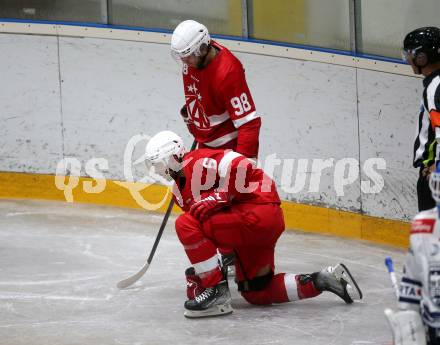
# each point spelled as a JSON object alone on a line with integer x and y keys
{"x": 134, "y": 278}
{"x": 123, "y": 284}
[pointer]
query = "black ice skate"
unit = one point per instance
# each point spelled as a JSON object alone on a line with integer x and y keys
{"x": 339, "y": 281}
{"x": 211, "y": 302}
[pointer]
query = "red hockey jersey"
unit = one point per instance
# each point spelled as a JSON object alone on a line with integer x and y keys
{"x": 219, "y": 103}
{"x": 206, "y": 170}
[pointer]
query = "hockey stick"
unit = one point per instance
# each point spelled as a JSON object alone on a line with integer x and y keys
{"x": 390, "y": 266}
{"x": 388, "y": 312}
{"x": 406, "y": 325}
{"x": 134, "y": 278}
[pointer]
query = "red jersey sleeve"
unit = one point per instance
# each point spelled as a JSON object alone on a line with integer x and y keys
{"x": 244, "y": 182}
{"x": 248, "y": 138}
{"x": 228, "y": 172}
{"x": 233, "y": 166}
{"x": 241, "y": 109}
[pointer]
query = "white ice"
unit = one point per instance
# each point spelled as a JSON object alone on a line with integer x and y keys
{"x": 59, "y": 265}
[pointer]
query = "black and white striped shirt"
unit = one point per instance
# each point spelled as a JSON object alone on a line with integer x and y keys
{"x": 425, "y": 145}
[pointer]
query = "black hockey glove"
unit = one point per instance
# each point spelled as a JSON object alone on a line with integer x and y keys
{"x": 184, "y": 114}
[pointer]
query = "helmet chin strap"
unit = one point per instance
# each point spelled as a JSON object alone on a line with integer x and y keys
{"x": 174, "y": 165}
{"x": 173, "y": 174}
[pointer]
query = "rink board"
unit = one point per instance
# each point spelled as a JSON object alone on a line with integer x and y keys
{"x": 297, "y": 216}
{"x": 314, "y": 105}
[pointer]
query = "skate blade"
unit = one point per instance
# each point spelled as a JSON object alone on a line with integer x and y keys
{"x": 353, "y": 289}
{"x": 218, "y": 310}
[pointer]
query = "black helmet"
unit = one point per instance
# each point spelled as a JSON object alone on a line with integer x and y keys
{"x": 423, "y": 40}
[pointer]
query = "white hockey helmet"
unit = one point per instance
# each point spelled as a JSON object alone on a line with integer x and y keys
{"x": 187, "y": 39}
{"x": 434, "y": 184}
{"x": 165, "y": 151}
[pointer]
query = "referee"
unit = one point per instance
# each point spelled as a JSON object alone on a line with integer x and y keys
{"x": 421, "y": 49}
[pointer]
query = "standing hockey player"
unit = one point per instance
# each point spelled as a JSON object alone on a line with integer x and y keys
{"x": 218, "y": 110}
{"x": 228, "y": 202}
{"x": 419, "y": 297}
{"x": 421, "y": 49}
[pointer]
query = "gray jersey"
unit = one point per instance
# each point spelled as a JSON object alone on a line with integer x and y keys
{"x": 420, "y": 285}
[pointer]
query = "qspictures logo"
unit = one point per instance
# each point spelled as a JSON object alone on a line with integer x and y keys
{"x": 292, "y": 175}
{"x": 69, "y": 171}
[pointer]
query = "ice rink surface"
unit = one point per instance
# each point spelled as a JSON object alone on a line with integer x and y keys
{"x": 59, "y": 265}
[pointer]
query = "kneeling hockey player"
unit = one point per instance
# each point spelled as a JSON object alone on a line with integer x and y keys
{"x": 228, "y": 202}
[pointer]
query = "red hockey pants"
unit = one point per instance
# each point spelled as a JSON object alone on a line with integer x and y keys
{"x": 252, "y": 230}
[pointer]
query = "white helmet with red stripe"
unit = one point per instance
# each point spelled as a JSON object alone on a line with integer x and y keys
{"x": 187, "y": 39}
